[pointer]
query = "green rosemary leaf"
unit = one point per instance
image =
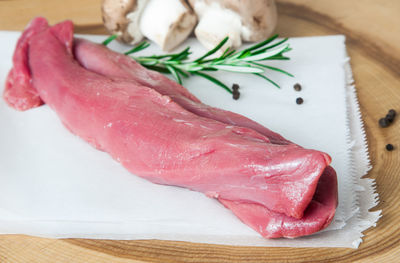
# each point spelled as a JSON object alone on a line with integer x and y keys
{"x": 267, "y": 79}
{"x": 209, "y": 69}
{"x": 164, "y": 56}
{"x": 261, "y": 44}
{"x": 108, "y": 40}
{"x": 229, "y": 53}
{"x": 160, "y": 56}
{"x": 266, "y": 54}
{"x": 212, "y": 51}
{"x": 182, "y": 55}
{"x": 272, "y": 68}
{"x": 245, "y": 54}
{"x": 183, "y": 73}
{"x": 191, "y": 67}
{"x": 278, "y": 57}
{"x": 287, "y": 50}
{"x": 138, "y": 48}
{"x": 172, "y": 62}
{"x": 214, "y": 80}
{"x": 174, "y": 73}
{"x": 239, "y": 69}
{"x": 147, "y": 61}
{"x": 269, "y": 47}
{"x": 158, "y": 68}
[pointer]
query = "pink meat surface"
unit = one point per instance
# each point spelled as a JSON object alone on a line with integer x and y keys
{"x": 19, "y": 92}
{"x": 153, "y": 136}
{"x": 269, "y": 224}
{"x": 100, "y": 59}
{"x": 319, "y": 212}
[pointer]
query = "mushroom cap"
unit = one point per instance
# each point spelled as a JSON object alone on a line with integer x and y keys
{"x": 259, "y": 17}
{"x": 114, "y": 14}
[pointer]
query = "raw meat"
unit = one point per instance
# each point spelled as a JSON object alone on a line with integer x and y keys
{"x": 134, "y": 122}
{"x": 317, "y": 216}
{"x": 97, "y": 58}
{"x": 18, "y": 91}
{"x": 319, "y": 212}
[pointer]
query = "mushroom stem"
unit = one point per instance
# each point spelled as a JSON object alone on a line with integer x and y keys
{"x": 134, "y": 17}
{"x": 240, "y": 20}
{"x": 167, "y": 22}
{"x": 217, "y": 23}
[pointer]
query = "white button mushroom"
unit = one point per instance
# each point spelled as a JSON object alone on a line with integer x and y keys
{"x": 166, "y": 22}
{"x": 249, "y": 20}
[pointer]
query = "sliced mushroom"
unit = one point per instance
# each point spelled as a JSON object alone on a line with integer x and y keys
{"x": 240, "y": 20}
{"x": 166, "y": 22}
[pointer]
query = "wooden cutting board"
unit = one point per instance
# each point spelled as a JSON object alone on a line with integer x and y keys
{"x": 372, "y": 29}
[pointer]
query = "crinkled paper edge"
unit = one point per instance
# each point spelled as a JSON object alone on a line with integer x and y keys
{"x": 366, "y": 196}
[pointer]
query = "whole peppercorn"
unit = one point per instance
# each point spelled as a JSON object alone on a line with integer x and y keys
{"x": 383, "y": 122}
{"x": 390, "y": 116}
{"x": 299, "y": 100}
{"x": 389, "y": 147}
{"x": 235, "y": 91}
{"x": 297, "y": 87}
{"x": 388, "y": 119}
{"x": 235, "y": 86}
{"x": 235, "y": 94}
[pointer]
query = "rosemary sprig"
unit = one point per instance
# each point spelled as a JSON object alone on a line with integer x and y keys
{"x": 138, "y": 48}
{"x": 244, "y": 61}
{"x": 109, "y": 40}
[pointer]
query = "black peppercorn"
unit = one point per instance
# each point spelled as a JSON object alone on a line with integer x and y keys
{"x": 389, "y": 147}
{"x": 235, "y": 86}
{"x": 383, "y": 122}
{"x": 297, "y": 87}
{"x": 390, "y": 116}
{"x": 235, "y": 94}
{"x": 299, "y": 100}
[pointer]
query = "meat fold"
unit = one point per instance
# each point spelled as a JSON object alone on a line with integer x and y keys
{"x": 159, "y": 131}
{"x": 19, "y": 92}
{"x": 269, "y": 224}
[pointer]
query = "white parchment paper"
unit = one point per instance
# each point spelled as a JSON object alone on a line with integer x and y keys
{"x": 53, "y": 184}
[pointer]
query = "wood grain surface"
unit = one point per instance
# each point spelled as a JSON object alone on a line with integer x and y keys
{"x": 372, "y": 29}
